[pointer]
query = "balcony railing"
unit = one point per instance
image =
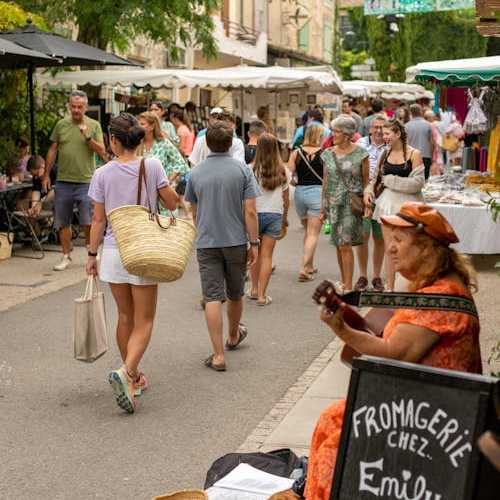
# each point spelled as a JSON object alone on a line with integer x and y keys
{"x": 237, "y": 31}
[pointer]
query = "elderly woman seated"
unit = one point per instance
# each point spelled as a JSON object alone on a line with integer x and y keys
{"x": 420, "y": 250}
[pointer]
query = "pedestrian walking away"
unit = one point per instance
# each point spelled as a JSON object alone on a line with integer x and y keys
{"x": 256, "y": 129}
{"x": 75, "y": 140}
{"x": 346, "y": 175}
{"x": 402, "y": 176}
{"x": 420, "y": 136}
{"x": 115, "y": 185}
{"x": 375, "y": 146}
{"x": 306, "y": 163}
{"x": 201, "y": 150}
{"x": 222, "y": 193}
{"x": 272, "y": 209}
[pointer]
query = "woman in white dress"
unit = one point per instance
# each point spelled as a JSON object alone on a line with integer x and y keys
{"x": 401, "y": 173}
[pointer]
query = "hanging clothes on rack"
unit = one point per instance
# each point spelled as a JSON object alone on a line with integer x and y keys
{"x": 475, "y": 122}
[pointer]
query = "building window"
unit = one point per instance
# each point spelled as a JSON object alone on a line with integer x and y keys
{"x": 328, "y": 42}
{"x": 304, "y": 37}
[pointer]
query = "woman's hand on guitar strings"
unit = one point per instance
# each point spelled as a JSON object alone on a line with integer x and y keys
{"x": 335, "y": 320}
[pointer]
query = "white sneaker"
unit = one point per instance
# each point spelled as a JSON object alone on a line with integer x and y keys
{"x": 65, "y": 262}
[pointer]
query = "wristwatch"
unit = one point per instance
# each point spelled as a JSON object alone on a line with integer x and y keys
{"x": 92, "y": 254}
{"x": 88, "y": 139}
{"x": 255, "y": 243}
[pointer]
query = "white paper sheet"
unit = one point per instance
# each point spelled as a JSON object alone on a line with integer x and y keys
{"x": 247, "y": 483}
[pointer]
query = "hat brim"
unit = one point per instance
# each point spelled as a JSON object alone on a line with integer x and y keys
{"x": 395, "y": 220}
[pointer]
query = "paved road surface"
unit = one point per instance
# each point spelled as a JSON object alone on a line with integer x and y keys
{"x": 63, "y": 437}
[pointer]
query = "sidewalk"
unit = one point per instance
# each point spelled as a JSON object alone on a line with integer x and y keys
{"x": 291, "y": 422}
{"x": 22, "y": 279}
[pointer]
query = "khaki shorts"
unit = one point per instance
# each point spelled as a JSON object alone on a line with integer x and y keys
{"x": 222, "y": 272}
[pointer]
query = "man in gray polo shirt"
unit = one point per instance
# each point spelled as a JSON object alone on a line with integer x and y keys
{"x": 419, "y": 132}
{"x": 222, "y": 194}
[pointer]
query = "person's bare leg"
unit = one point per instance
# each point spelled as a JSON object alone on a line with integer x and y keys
{"x": 122, "y": 293}
{"x": 266, "y": 265}
{"x": 347, "y": 257}
{"x": 65, "y": 239}
{"x": 341, "y": 265}
{"x": 378, "y": 257}
{"x": 362, "y": 255}
{"x": 234, "y": 313}
{"x": 213, "y": 316}
{"x": 144, "y": 298}
{"x": 389, "y": 267}
{"x": 254, "y": 276}
{"x": 310, "y": 243}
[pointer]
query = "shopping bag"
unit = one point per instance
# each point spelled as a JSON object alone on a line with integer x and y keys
{"x": 90, "y": 336}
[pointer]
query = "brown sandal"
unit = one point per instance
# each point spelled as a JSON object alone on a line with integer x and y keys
{"x": 243, "y": 332}
{"x": 209, "y": 363}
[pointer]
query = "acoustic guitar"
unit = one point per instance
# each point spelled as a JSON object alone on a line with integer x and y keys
{"x": 372, "y": 323}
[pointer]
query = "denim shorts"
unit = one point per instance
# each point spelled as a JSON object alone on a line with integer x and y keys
{"x": 222, "y": 272}
{"x": 270, "y": 224}
{"x": 308, "y": 201}
{"x": 67, "y": 195}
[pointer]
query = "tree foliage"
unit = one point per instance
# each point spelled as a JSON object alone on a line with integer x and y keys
{"x": 422, "y": 37}
{"x": 348, "y": 59}
{"x": 14, "y": 104}
{"x": 116, "y": 23}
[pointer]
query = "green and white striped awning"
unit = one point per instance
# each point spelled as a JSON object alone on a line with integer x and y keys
{"x": 459, "y": 71}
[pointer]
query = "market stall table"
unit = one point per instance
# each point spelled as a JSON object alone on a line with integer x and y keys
{"x": 477, "y": 231}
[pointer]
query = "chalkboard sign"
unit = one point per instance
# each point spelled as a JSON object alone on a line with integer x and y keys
{"x": 410, "y": 433}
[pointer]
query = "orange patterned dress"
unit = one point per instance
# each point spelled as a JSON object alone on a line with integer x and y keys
{"x": 458, "y": 349}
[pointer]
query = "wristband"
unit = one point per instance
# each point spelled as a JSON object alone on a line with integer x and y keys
{"x": 88, "y": 139}
{"x": 92, "y": 254}
{"x": 255, "y": 243}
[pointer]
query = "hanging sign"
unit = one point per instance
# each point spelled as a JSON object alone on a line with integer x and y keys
{"x": 383, "y": 7}
{"x": 410, "y": 433}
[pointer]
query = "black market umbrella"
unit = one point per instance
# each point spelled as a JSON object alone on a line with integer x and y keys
{"x": 14, "y": 56}
{"x": 62, "y": 51}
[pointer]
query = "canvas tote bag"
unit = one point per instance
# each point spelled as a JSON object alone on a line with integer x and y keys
{"x": 90, "y": 337}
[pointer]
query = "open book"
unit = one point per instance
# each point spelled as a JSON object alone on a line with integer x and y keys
{"x": 247, "y": 483}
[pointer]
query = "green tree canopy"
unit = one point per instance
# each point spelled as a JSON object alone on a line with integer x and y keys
{"x": 422, "y": 37}
{"x": 116, "y": 23}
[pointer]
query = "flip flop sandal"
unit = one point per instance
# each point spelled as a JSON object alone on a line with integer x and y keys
{"x": 243, "y": 332}
{"x": 119, "y": 382}
{"x": 251, "y": 297}
{"x": 267, "y": 301}
{"x": 304, "y": 277}
{"x": 209, "y": 363}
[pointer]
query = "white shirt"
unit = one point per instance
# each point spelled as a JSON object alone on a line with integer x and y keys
{"x": 272, "y": 201}
{"x": 201, "y": 151}
{"x": 374, "y": 153}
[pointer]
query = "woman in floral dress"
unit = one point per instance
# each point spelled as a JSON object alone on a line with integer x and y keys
{"x": 346, "y": 173}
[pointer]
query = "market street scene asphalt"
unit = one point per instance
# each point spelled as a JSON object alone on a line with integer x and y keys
{"x": 63, "y": 435}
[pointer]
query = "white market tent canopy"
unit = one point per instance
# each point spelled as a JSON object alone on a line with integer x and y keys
{"x": 386, "y": 90}
{"x": 480, "y": 69}
{"x": 271, "y": 78}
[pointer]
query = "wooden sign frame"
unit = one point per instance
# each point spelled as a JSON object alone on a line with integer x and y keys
{"x": 487, "y": 387}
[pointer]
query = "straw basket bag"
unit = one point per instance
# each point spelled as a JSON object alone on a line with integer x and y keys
{"x": 151, "y": 245}
{"x": 6, "y": 240}
{"x": 184, "y": 495}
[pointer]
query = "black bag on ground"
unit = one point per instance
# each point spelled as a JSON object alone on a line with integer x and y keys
{"x": 278, "y": 462}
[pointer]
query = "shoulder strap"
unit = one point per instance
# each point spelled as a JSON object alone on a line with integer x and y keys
{"x": 424, "y": 301}
{"x": 142, "y": 175}
{"x": 309, "y": 165}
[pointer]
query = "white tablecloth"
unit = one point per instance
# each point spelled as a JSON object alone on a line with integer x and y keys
{"x": 474, "y": 226}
